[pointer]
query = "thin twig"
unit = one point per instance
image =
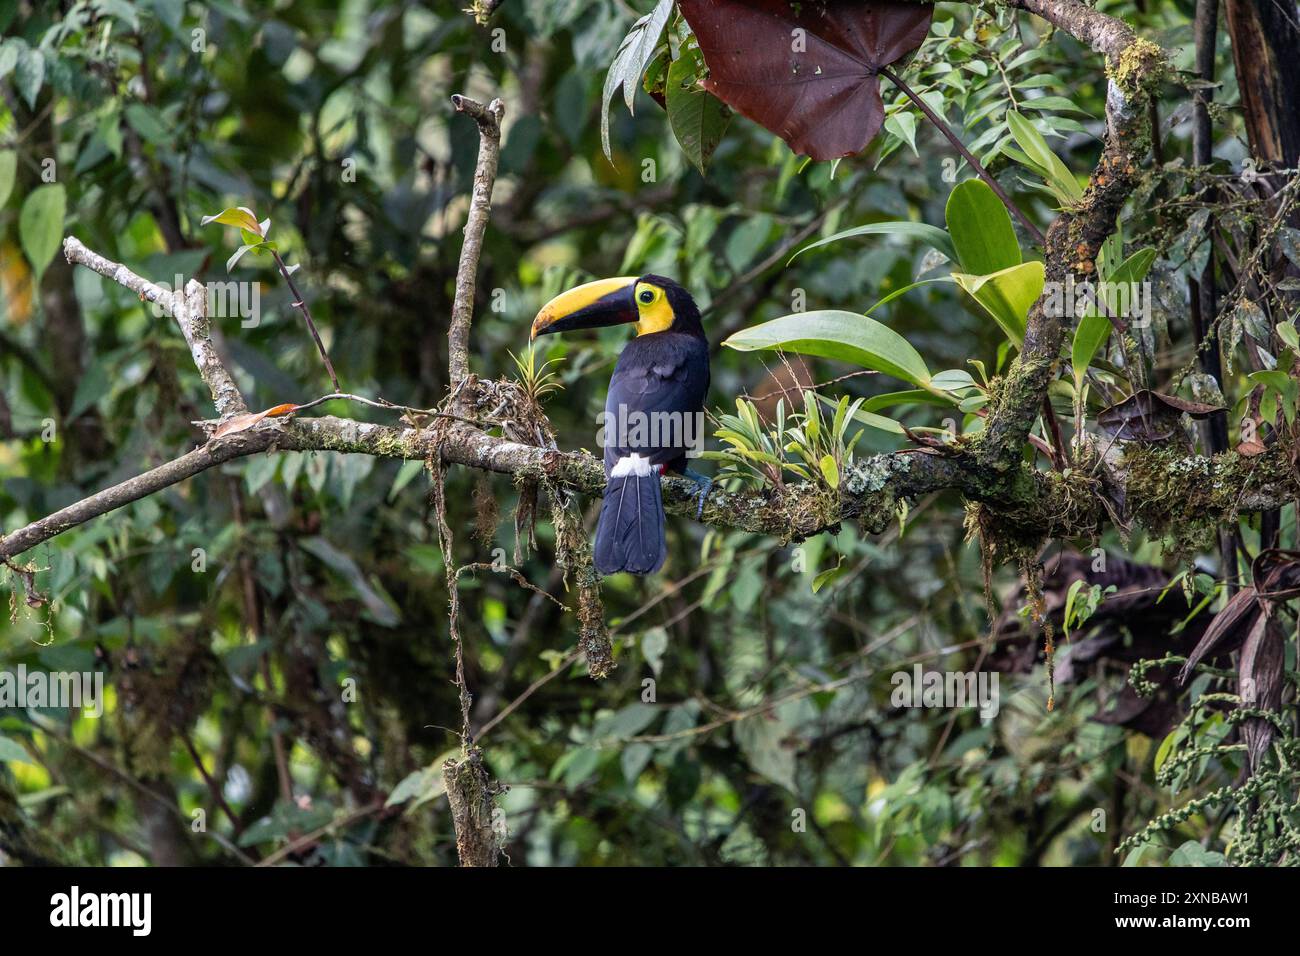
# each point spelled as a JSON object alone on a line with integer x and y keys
{"x": 966, "y": 154}
{"x": 300, "y": 303}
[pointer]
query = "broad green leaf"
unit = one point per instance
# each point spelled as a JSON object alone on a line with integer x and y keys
{"x": 1092, "y": 332}
{"x": 1094, "y": 328}
{"x": 981, "y": 229}
{"x": 1130, "y": 272}
{"x": 1056, "y": 173}
{"x": 1007, "y": 295}
{"x": 40, "y": 225}
{"x": 634, "y": 54}
{"x": 698, "y": 118}
{"x": 912, "y": 396}
{"x": 239, "y": 216}
{"x": 846, "y": 336}
{"x": 952, "y": 380}
{"x": 933, "y": 236}
{"x": 8, "y": 170}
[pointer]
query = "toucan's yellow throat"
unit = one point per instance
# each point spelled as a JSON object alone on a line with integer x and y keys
{"x": 593, "y": 305}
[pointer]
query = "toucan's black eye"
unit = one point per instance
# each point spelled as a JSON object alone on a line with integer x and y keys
{"x": 646, "y": 296}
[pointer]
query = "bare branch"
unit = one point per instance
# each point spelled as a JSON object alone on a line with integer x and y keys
{"x": 485, "y": 174}
{"x": 189, "y": 307}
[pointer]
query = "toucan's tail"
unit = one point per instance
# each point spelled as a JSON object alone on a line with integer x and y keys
{"x": 630, "y": 532}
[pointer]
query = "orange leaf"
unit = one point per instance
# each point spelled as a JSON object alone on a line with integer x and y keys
{"x": 244, "y": 422}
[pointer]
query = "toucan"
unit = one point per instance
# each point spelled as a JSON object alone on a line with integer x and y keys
{"x": 654, "y": 410}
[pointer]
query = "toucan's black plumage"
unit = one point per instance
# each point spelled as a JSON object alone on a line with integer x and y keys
{"x": 665, "y": 369}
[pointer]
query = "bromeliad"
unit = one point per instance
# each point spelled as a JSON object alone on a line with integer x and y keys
{"x": 654, "y": 410}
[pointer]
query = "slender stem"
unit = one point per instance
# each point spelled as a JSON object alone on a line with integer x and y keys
{"x": 966, "y": 154}
{"x": 488, "y": 119}
{"x": 301, "y": 304}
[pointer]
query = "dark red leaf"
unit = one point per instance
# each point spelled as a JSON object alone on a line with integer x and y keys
{"x": 1276, "y": 574}
{"x": 1229, "y": 628}
{"x": 817, "y": 89}
{"x": 1263, "y": 657}
{"x": 1149, "y": 416}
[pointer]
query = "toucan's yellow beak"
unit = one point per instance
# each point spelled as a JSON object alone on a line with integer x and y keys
{"x": 592, "y": 305}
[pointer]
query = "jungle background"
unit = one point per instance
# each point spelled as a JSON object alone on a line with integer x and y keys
{"x": 274, "y": 632}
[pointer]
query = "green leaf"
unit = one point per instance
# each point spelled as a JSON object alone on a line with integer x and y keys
{"x": 145, "y": 121}
{"x": 12, "y": 751}
{"x": 239, "y": 216}
{"x": 29, "y": 75}
{"x": 1056, "y": 173}
{"x": 1191, "y": 853}
{"x": 1007, "y": 295}
{"x": 379, "y": 606}
{"x": 241, "y": 252}
{"x": 698, "y": 118}
{"x": 829, "y": 575}
{"x": 830, "y": 471}
{"x": 763, "y": 742}
{"x": 880, "y": 422}
{"x": 40, "y": 225}
{"x": 846, "y": 336}
{"x": 1289, "y": 336}
{"x": 8, "y": 170}
{"x": 1094, "y": 328}
{"x": 932, "y": 236}
{"x": 952, "y": 380}
{"x": 1282, "y": 383}
{"x": 634, "y": 54}
{"x": 903, "y": 125}
{"x": 912, "y": 396}
{"x": 10, "y": 50}
{"x": 981, "y": 229}
{"x": 1092, "y": 332}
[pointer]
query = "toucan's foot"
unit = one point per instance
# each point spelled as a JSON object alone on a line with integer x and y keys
{"x": 705, "y": 484}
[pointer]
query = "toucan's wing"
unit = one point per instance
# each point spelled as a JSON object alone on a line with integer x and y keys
{"x": 660, "y": 382}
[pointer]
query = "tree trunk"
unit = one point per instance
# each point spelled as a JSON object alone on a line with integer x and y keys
{"x": 1266, "y": 52}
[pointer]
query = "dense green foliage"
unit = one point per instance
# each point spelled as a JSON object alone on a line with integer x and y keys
{"x": 298, "y": 601}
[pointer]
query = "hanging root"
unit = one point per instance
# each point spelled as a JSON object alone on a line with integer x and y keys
{"x": 1032, "y": 570}
{"x": 471, "y": 795}
{"x": 573, "y": 554}
{"x": 1003, "y": 540}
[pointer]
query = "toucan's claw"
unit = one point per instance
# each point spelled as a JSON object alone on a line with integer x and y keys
{"x": 705, "y": 485}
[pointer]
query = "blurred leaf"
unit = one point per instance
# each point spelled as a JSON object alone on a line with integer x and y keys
{"x": 698, "y": 119}
{"x": 933, "y": 236}
{"x": 634, "y": 54}
{"x": 40, "y": 225}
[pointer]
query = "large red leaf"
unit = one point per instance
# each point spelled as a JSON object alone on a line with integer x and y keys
{"x": 818, "y": 90}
